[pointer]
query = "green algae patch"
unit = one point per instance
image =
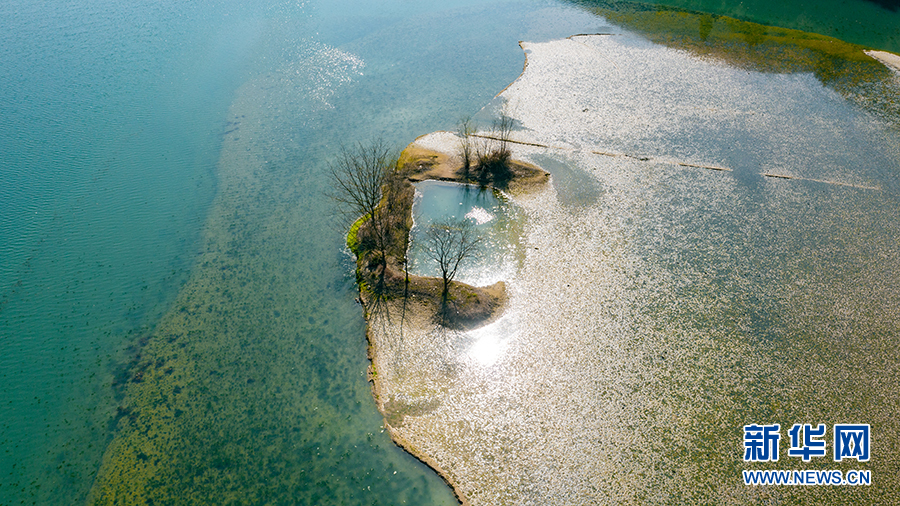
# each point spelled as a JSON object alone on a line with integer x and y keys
{"x": 746, "y": 44}
{"x": 353, "y": 234}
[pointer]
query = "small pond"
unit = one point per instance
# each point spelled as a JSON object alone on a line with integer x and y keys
{"x": 494, "y": 217}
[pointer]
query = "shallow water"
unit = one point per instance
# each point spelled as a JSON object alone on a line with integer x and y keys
{"x": 173, "y": 281}
{"x": 732, "y": 261}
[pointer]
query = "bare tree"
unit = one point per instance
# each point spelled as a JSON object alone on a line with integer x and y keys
{"x": 449, "y": 243}
{"x": 465, "y": 129}
{"x": 502, "y": 131}
{"x": 493, "y": 153}
{"x": 360, "y": 176}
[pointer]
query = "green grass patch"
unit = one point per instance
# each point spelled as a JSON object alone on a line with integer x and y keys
{"x": 352, "y": 235}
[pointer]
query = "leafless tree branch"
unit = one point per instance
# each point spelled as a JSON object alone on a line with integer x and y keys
{"x": 449, "y": 243}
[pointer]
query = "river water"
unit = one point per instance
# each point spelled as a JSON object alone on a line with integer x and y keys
{"x": 717, "y": 249}
{"x": 176, "y": 308}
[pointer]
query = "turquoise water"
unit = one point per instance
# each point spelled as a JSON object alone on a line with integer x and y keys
{"x": 119, "y": 149}
{"x": 112, "y": 120}
{"x": 870, "y": 23}
{"x": 110, "y": 123}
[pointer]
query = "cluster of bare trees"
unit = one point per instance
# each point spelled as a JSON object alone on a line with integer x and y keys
{"x": 450, "y": 243}
{"x": 367, "y": 185}
{"x": 465, "y": 130}
{"x": 486, "y": 157}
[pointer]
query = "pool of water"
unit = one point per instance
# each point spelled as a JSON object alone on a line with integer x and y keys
{"x": 496, "y": 222}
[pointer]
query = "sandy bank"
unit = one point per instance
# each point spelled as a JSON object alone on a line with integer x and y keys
{"x": 436, "y": 156}
{"x": 891, "y": 60}
{"x": 601, "y": 381}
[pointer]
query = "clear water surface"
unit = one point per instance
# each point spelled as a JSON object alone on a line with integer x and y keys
{"x": 175, "y": 301}
{"x": 494, "y": 218}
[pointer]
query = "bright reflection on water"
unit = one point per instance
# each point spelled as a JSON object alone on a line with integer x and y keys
{"x": 658, "y": 308}
{"x": 494, "y": 218}
{"x": 717, "y": 248}
{"x": 489, "y": 342}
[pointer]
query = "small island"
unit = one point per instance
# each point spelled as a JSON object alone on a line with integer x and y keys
{"x": 610, "y": 362}
{"x": 380, "y": 245}
{"x": 398, "y": 304}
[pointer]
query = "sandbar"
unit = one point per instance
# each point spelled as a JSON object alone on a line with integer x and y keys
{"x": 889, "y": 59}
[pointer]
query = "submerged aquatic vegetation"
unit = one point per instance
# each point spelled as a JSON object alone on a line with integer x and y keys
{"x": 837, "y": 64}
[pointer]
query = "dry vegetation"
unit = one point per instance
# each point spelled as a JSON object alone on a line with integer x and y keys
{"x": 376, "y": 186}
{"x": 379, "y": 240}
